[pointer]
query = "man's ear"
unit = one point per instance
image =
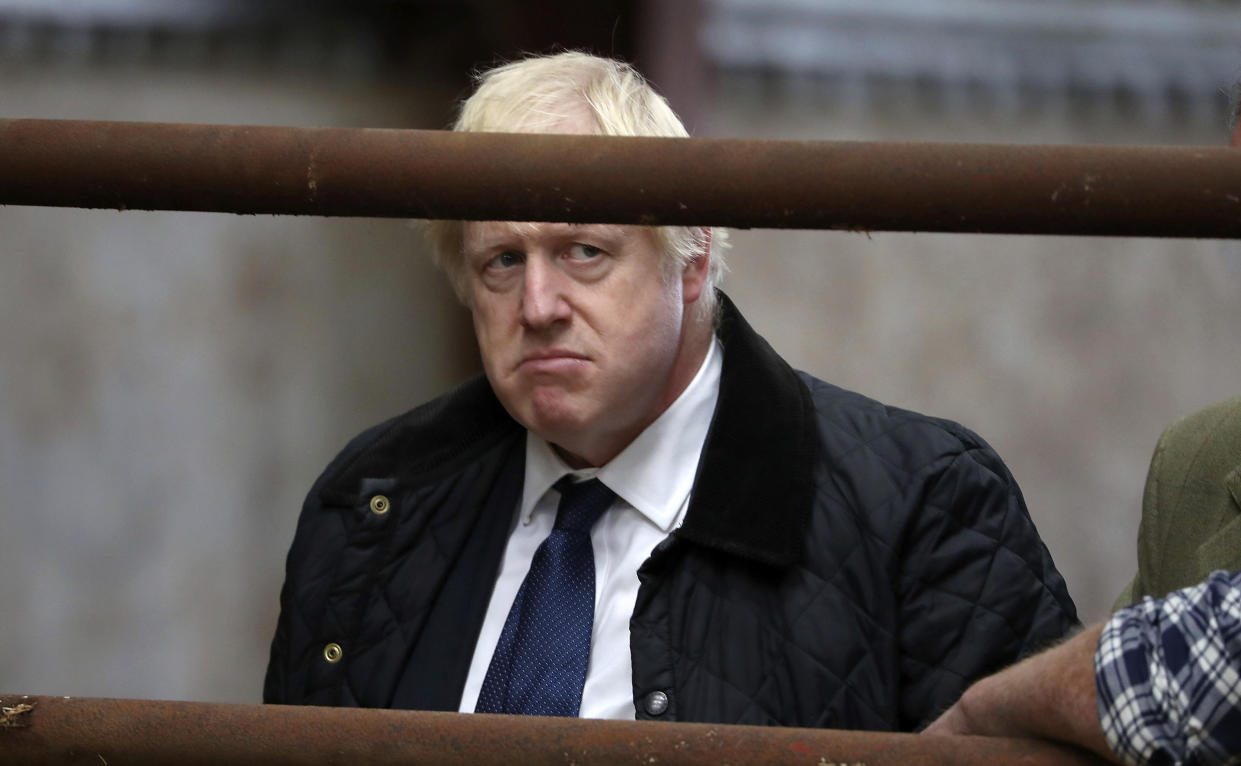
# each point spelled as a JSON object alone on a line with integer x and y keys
{"x": 694, "y": 277}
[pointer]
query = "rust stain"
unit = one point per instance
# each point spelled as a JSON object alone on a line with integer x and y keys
{"x": 16, "y": 716}
{"x": 312, "y": 177}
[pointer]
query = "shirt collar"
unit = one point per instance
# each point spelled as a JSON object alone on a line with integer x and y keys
{"x": 655, "y": 472}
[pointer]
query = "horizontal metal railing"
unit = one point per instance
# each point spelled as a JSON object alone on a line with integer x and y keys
{"x": 72, "y": 730}
{"x": 870, "y": 186}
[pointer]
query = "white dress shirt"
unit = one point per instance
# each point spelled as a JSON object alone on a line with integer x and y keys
{"x": 652, "y": 478}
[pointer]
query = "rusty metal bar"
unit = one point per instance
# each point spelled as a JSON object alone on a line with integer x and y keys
{"x": 38, "y": 731}
{"x": 1099, "y": 190}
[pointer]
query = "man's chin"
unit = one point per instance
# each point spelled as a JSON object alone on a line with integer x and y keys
{"x": 556, "y": 427}
{"x": 557, "y": 419}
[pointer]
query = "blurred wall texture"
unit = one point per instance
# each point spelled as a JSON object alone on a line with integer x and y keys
{"x": 171, "y": 383}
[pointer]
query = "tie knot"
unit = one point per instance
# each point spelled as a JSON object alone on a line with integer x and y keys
{"x": 581, "y": 503}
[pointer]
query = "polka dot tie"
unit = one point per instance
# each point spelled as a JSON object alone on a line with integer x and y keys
{"x": 539, "y": 665}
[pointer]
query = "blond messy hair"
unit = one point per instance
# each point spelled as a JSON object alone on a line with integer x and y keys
{"x": 541, "y": 94}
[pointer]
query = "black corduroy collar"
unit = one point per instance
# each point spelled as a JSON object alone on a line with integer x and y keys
{"x": 755, "y": 485}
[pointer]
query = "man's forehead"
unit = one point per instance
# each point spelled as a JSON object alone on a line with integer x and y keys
{"x": 485, "y": 233}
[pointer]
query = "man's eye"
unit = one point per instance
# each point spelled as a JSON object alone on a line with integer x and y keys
{"x": 582, "y": 252}
{"x": 505, "y": 260}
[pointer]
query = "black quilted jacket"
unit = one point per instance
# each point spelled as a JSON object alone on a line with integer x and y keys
{"x": 842, "y": 563}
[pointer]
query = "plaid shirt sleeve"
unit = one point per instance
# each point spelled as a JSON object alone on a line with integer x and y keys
{"x": 1168, "y": 673}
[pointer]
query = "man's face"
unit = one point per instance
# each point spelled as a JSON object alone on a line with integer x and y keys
{"x": 581, "y": 329}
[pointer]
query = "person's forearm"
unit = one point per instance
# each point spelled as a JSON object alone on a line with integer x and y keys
{"x": 1050, "y": 696}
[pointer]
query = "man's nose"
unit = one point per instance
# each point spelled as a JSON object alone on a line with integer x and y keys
{"x": 543, "y": 299}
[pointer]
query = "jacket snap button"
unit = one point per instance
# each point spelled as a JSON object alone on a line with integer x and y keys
{"x": 332, "y": 652}
{"x": 380, "y": 505}
{"x": 655, "y": 703}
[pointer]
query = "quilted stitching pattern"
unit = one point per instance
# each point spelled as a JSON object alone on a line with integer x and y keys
{"x": 366, "y": 581}
{"x": 921, "y": 571}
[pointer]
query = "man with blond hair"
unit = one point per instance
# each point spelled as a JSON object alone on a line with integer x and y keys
{"x": 640, "y": 510}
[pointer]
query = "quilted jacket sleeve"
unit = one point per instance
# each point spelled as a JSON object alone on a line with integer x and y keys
{"x": 274, "y": 686}
{"x": 978, "y": 588}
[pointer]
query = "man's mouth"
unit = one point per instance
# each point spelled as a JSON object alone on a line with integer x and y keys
{"x": 551, "y": 361}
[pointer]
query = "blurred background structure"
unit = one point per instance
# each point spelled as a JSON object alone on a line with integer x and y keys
{"x": 171, "y": 383}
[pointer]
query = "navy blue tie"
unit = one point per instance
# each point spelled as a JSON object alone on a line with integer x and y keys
{"x": 539, "y": 665}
